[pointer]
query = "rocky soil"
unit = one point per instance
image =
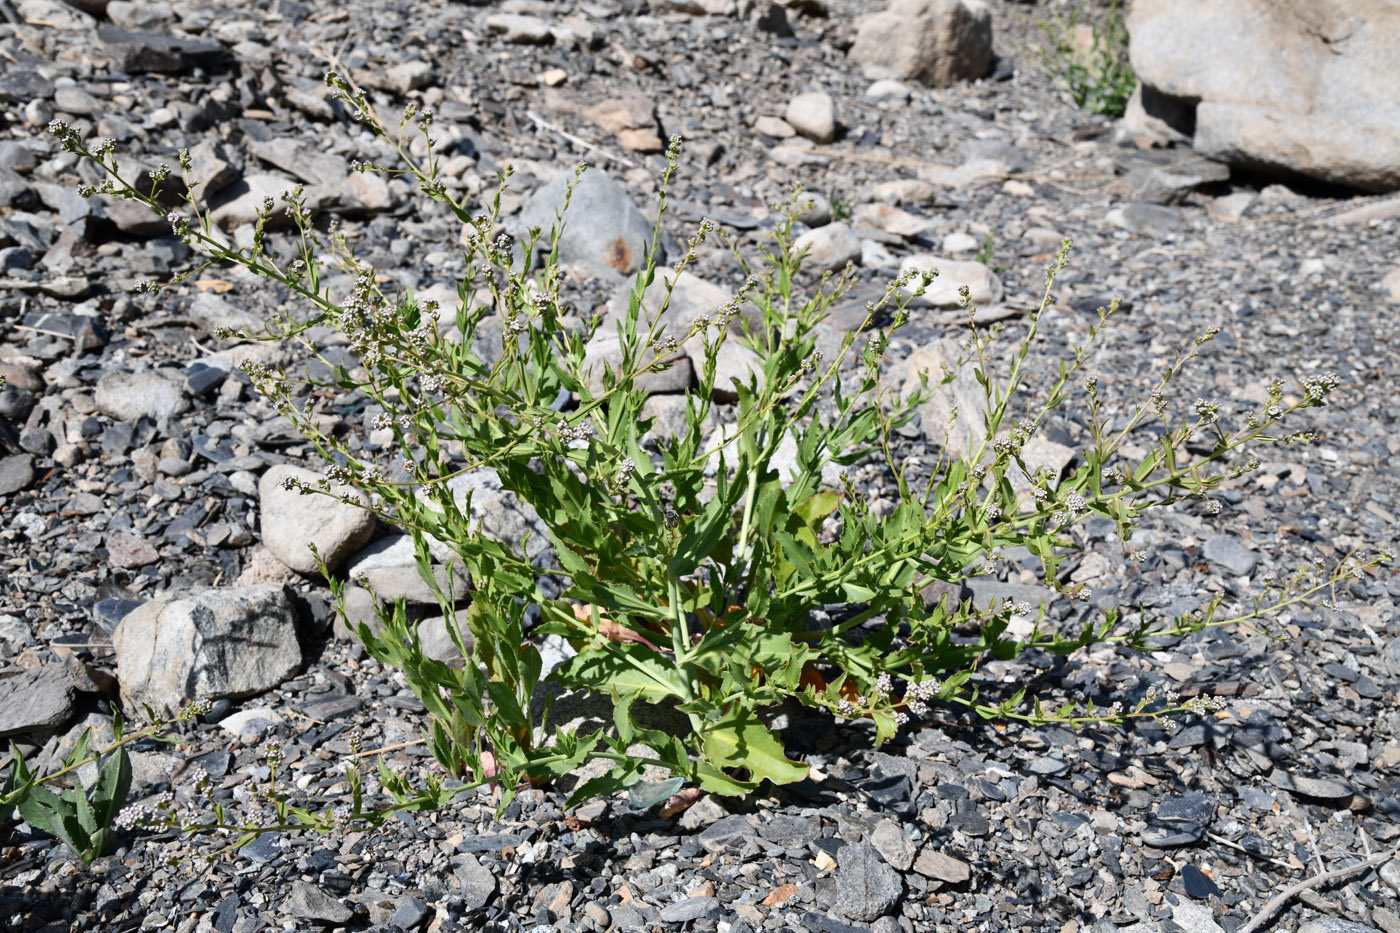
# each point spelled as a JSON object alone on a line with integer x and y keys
{"x": 142, "y": 525}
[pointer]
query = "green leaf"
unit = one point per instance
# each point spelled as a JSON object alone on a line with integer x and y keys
{"x": 815, "y": 508}
{"x": 623, "y": 669}
{"x": 739, "y": 740}
{"x": 112, "y": 785}
{"x": 702, "y": 536}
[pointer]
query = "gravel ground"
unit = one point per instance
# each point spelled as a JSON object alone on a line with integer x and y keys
{"x": 115, "y": 490}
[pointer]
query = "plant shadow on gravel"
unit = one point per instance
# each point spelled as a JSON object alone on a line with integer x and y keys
{"x": 713, "y": 574}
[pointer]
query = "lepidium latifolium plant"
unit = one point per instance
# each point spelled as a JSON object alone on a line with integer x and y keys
{"x": 676, "y": 592}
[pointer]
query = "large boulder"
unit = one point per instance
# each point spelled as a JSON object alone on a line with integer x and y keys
{"x": 206, "y": 644}
{"x": 605, "y": 234}
{"x": 1300, "y": 86}
{"x": 934, "y": 42}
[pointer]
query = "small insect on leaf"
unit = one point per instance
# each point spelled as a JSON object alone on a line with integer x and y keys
{"x": 646, "y": 796}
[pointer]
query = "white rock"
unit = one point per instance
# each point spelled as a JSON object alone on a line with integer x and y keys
{"x": 519, "y": 28}
{"x": 943, "y": 291}
{"x": 293, "y": 522}
{"x": 888, "y": 89}
{"x": 960, "y": 434}
{"x": 828, "y": 249}
{"x": 813, "y": 115}
{"x": 1303, "y": 86}
{"x": 960, "y": 242}
{"x": 257, "y": 720}
{"x": 128, "y": 396}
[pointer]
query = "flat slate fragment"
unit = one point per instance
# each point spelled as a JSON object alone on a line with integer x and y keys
{"x": 37, "y": 699}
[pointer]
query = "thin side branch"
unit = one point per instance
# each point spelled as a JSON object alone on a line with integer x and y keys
{"x": 1258, "y": 920}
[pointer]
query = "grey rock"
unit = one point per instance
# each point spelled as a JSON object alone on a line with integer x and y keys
{"x": 1164, "y": 176}
{"x": 1158, "y": 118}
{"x": 213, "y": 312}
{"x": 519, "y": 28}
{"x": 128, "y": 397}
{"x": 604, "y": 351}
{"x": 308, "y": 902}
{"x": 302, "y": 161}
{"x": 1191, "y": 807}
{"x": 389, "y": 567}
{"x": 963, "y": 393}
{"x": 1390, "y": 874}
{"x": 410, "y": 913}
{"x": 934, "y": 42}
{"x": 1154, "y": 220}
{"x": 1302, "y": 87}
{"x": 735, "y": 362}
{"x": 207, "y": 643}
{"x": 1321, "y": 788}
{"x": 478, "y": 884}
{"x": 1334, "y": 925}
{"x": 16, "y": 473}
{"x": 211, "y": 170}
{"x": 686, "y": 298}
{"x": 936, "y": 865}
{"x": 894, "y": 846}
{"x": 605, "y": 235}
{"x": 499, "y": 513}
{"x": 866, "y": 887}
{"x": 729, "y": 833}
{"x": 38, "y": 699}
{"x": 788, "y": 831}
{"x": 813, "y": 115}
{"x": 139, "y": 14}
{"x": 1194, "y": 918}
{"x": 983, "y": 285}
{"x": 828, "y": 249}
{"x": 241, "y": 202}
{"x": 292, "y": 522}
{"x": 436, "y": 641}
{"x": 692, "y": 908}
{"x": 139, "y": 52}
{"x": 1225, "y": 551}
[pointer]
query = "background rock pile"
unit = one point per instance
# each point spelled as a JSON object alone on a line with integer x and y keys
{"x": 149, "y": 555}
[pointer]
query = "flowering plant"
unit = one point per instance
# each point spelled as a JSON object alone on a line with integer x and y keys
{"x": 673, "y": 590}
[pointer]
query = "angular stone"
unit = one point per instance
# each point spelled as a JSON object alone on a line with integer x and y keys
{"x": 390, "y": 565}
{"x": 206, "y": 643}
{"x": 292, "y": 522}
{"x": 964, "y": 393}
{"x": 38, "y": 699}
{"x": 128, "y": 397}
{"x": 894, "y": 846}
{"x": 308, "y": 902}
{"x": 866, "y": 888}
{"x": 1225, "y": 551}
{"x": 16, "y": 473}
{"x": 934, "y": 864}
{"x": 478, "y": 885}
{"x": 812, "y": 115}
{"x": 729, "y": 833}
{"x": 828, "y": 249}
{"x": 934, "y": 42}
{"x": 1304, "y": 86}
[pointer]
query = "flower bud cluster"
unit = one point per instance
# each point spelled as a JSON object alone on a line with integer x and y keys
{"x": 1317, "y": 387}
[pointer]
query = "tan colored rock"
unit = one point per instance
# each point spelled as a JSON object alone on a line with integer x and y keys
{"x": 1306, "y": 86}
{"x": 934, "y": 42}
